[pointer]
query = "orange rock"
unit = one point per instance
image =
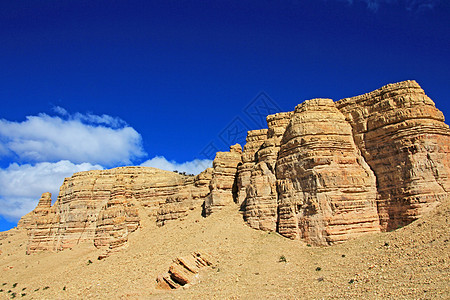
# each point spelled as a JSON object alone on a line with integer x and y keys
{"x": 184, "y": 270}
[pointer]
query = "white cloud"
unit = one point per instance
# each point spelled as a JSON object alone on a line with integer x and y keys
{"x": 195, "y": 166}
{"x": 79, "y": 138}
{"x": 22, "y": 185}
{"x": 49, "y": 148}
{"x": 60, "y": 111}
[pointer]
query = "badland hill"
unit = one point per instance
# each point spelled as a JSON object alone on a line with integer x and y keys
{"x": 324, "y": 174}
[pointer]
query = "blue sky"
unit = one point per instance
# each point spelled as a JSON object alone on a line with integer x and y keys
{"x": 99, "y": 84}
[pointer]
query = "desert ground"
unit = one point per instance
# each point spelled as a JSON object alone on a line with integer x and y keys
{"x": 409, "y": 263}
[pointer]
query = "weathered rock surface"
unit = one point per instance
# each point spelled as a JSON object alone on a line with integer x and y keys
{"x": 183, "y": 271}
{"x": 190, "y": 195}
{"x": 117, "y": 219}
{"x": 254, "y": 140}
{"x": 44, "y": 222}
{"x": 104, "y": 206}
{"x": 326, "y": 191}
{"x": 223, "y": 188}
{"x": 45, "y": 202}
{"x": 324, "y": 173}
{"x": 404, "y": 139}
{"x": 260, "y": 192}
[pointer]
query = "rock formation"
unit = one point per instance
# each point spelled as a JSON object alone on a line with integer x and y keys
{"x": 404, "y": 139}
{"x": 43, "y": 221}
{"x": 341, "y": 168}
{"x": 183, "y": 271}
{"x": 324, "y": 173}
{"x": 105, "y": 206}
{"x": 41, "y": 209}
{"x": 190, "y": 196}
{"x": 259, "y": 191}
{"x": 326, "y": 190}
{"x": 117, "y": 219}
{"x": 254, "y": 140}
{"x": 222, "y": 186}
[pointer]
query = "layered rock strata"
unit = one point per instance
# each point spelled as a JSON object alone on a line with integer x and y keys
{"x": 190, "y": 196}
{"x": 45, "y": 202}
{"x": 335, "y": 159}
{"x": 404, "y": 139}
{"x": 183, "y": 271}
{"x": 105, "y": 206}
{"x": 260, "y": 192}
{"x": 255, "y": 138}
{"x": 44, "y": 222}
{"x": 326, "y": 192}
{"x": 116, "y": 220}
{"x": 324, "y": 173}
{"x": 223, "y": 188}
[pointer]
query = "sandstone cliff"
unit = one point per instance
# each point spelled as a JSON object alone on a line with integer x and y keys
{"x": 324, "y": 173}
{"x": 222, "y": 186}
{"x": 259, "y": 193}
{"x": 404, "y": 139}
{"x": 326, "y": 192}
{"x": 105, "y": 206}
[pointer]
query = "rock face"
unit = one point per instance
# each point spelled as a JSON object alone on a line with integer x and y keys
{"x": 191, "y": 195}
{"x": 324, "y": 173}
{"x": 44, "y": 221}
{"x": 254, "y": 140}
{"x": 117, "y": 219}
{"x": 183, "y": 271}
{"x": 404, "y": 139}
{"x": 260, "y": 192}
{"x": 222, "y": 187}
{"x": 330, "y": 171}
{"x": 105, "y": 206}
{"x": 41, "y": 209}
{"x": 326, "y": 191}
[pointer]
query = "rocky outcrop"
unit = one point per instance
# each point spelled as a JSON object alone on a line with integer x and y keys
{"x": 324, "y": 173}
{"x": 326, "y": 190}
{"x": 116, "y": 220}
{"x": 404, "y": 139}
{"x": 183, "y": 271}
{"x": 42, "y": 224}
{"x": 260, "y": 192}
{"x": 223, "y": 188}
{"x": 45, "y": 202}
{"x": 189, "y": 196}
{"x": 105, "y": 206}
{"x": 341, "y": 168}
{"x": 255, "y": 138}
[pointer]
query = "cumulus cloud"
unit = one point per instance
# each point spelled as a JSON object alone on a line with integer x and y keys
{"x": 195, "y": 166}
{"x": 410, "y": 5}
{"x": 79, "y": 138}
{"x": 49, "y": 148}
{"x": 22, "y": 185}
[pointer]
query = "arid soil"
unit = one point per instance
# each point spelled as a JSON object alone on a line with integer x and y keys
{"x": 409, "y": 263}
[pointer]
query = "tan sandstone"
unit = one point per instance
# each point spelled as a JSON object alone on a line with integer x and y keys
{"x": 223, "y": 187}
{"x": 324, "y": 173}
{"x": 105, "y": 206}
{"x": 404, "y": 139}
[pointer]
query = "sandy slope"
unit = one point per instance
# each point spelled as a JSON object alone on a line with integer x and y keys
{"x": 411, "y": 263}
